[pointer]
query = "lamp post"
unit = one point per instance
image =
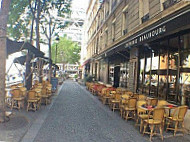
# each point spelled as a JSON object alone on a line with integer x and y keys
{"x": 57, "y": 40}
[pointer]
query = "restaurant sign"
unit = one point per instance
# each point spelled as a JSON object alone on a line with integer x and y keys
{"x": 148, "y": 35}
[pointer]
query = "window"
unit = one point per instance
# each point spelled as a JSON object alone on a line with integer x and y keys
{"x": 107, "y": 9}
{"x": 144, "y": 10}
{"x": 114, "y": 3}
{"x": 106, "y": 37}
{"x": 125, "y": 20}
{"x": 113, "y": 29}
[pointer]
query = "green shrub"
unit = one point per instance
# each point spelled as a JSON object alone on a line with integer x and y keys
{"x": 89, "y": 78}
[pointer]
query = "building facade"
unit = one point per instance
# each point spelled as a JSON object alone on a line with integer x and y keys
{"x": 141, "y": 45}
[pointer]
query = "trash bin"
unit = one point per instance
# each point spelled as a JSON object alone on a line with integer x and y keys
{"x": 54, "y": 82}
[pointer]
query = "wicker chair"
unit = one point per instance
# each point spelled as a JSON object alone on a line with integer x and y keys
{"x": 114, "y": 103}
{"x": 177, "y": 118}
{"x": 23, "y": 91}
{"x": 32, "y": 101}
{"x": 141, "y": 113}
{"x": 17, "y": 99}
{"x": 152, "y": 101}
{"x": 154, "y": 121}
{"x": 123, "y": 103}
{"x": 130, "y": 108}
{"x": 44, "y": 96}
{"x": 141, "y": 97}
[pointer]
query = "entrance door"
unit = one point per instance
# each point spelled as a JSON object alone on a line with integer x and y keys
{"x": 116, "y": 76}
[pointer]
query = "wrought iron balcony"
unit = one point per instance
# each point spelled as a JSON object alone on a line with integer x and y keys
{"x": 145, "y": 18}
{"x": 169, "y": 3}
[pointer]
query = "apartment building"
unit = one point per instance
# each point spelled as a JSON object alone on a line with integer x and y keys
{"x": 141, "y": 45}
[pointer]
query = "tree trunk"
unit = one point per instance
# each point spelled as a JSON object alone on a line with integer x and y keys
{"x": 49, "y": 42}
{"x": 3, "y": 53}
{"x": 50, "y": 62}
{"x": 28, "y": 74}
{"x": 38, "y": 35}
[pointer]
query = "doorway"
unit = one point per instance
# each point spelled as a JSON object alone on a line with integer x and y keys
{"x": 116, "y": 76}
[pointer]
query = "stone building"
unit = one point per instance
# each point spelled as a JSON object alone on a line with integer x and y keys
{"x": 141, "y": 45}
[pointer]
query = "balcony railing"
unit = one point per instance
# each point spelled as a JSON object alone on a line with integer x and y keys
{"x": 169, "y": 3}
{"x": 145, "y": 18}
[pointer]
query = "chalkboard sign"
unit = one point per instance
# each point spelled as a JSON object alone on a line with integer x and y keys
{"x": 54, "y": 82}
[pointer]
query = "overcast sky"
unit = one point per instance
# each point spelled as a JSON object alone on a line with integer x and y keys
{"x": 80, "y": 3}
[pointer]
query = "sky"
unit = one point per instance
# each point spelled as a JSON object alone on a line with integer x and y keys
{"x": 80, "y": 3}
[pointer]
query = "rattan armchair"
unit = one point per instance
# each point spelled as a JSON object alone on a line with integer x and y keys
{"x": 44, "y": 96}
{"x": 154, "y": 121}
{"x": 17, "y": 99}
{"x": 177, "y": 119}
{"x": 114, "y": 103}
{"x": 141, "y": 97}
{"x": 141, "y": 113}
{"x": 123, "y": 103}
{"x": 32, "y": 101}
{"x": 130, "y": 109}
{"x": 152, "y": 101}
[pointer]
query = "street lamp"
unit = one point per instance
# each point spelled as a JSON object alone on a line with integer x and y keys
{"x": 57, "y": 40}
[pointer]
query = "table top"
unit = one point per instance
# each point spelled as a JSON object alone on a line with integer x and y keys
{"x": 149, "y": 108}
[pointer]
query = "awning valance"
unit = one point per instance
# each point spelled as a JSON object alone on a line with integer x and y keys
{"x": 20, "y": 60}
{"x": 14, "y": 46}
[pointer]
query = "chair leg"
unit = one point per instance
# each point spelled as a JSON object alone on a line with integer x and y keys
{"x": 137, "y": 121}
{"x": 121, "y": 112}
{"x": 12, "y": 104}
{"x": 168, "y": 125}
{"x": 161, "y": 131}
{"x": 113, "y": 107}
{"x": 28, "y": 106}
{"x": 175, "y": 130}
{"x": 183, "y": 128}
{"x": 145, "y": 125}
{"x": 151, "y": 131}
{"x": 141, "y": 125}
{"x": 127, "y": 115}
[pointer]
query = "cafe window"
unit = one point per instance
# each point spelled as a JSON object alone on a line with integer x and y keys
{"x": 124, "y": 74}
{"x": 184, "y": 87}
{"x": 164, "y": 70}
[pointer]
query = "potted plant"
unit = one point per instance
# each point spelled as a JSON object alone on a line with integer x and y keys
{"x": 76, "y": 77}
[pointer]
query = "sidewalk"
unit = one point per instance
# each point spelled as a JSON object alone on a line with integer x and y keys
{"x": 21, "y": 121}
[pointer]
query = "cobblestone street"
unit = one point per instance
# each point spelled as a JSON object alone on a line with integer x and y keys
{"x": 78, "y": 116}
{"x": 75, "y": 115}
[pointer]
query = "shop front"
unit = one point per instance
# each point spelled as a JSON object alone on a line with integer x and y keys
{"x": 164, "y": 58}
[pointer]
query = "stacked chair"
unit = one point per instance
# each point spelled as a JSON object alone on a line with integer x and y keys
{"x": 38, "y": 94}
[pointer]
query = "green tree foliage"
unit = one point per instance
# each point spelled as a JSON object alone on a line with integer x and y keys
{"x": 67, "y": 51}
{"x": 23, "y": 11}
{"x": 19, "y": 19}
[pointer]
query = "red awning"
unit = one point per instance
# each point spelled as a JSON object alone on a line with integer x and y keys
{"x": 85, "y": 62}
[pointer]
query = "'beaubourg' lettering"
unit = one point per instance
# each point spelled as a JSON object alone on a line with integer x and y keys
{"x": 153, "y": 33}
